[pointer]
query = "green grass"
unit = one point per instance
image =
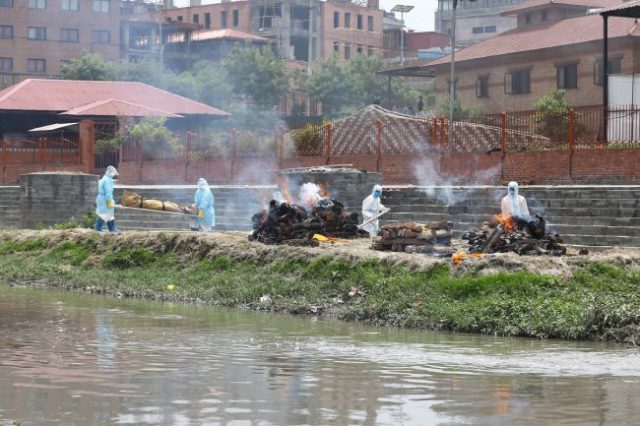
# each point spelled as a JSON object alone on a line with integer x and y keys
{"x": 601, "y": 301}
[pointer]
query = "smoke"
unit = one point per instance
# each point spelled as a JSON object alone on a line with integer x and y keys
{"x": 445, "y": 188}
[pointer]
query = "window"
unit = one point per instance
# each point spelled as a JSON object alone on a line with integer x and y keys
{"x": 347, "y": 51}
{"x": 614, "y": 66}
{"x": 6, "y": 31}
{"x": 336, "y": 19}
{"x": 544, "y": 15}
{"x": 101, "y": 6}
{"x": 6, "y": 3}
{"x": 70, "y": 4}
{"x": 37, "y": 33}
{"x": 567, "y": 76}
{"x": 101, "y": 37}
{"x": 370, "y": 23}
{"x": 482, "y": 87}
{"x": 37, "y": 4}
{"x": 369, "y": 51}
{"x": 207, "y": 20}
{"x": 236, "y": 17}
{"x": 36, "y": 65}
{"x": 528, "y": 18}
{"x": 490, "y": 29}
{"x": 69, "y": 35}
{"x": 179, "y": 18}
{"x": 477, "y": 30}
{"x": 223, "y": 19}
{"x": 196, "y": 18}
{"x": 336, "y": 47}
{"x": 517, "y": 82}
{"x": 360, "y": 22}
{"x": 347, "y": 20}
{"x": 359, "y": 49}
{"x": 6, "y": 64}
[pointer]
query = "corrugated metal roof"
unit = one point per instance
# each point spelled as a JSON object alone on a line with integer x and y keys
{"x": 116, "y": 107}
{"x": 51, "y": 127}
{"x": 64, "y": 95}
{"x": 536, "y": 4}
{"x": 628, "y": 6}
{"x": 531, "y": 38}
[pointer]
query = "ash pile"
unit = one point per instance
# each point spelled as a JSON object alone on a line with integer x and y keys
{"x": 510, "y": 234}
{"x": 433, "y": 239}
{"x": 284, "y": 223}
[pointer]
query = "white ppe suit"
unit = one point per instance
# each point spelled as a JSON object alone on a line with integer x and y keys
{"x": 371, "y": 207}
{"x": 514, "y": 204}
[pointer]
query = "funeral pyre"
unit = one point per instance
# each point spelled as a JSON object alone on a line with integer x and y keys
{"x": 510, "y": 234}
{"x": 295, "y": 224}
{"x": 409, "y": 237}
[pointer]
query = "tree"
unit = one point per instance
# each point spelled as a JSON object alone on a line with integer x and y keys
{"x": 90, "y": 66}
{"x": 552, "y": 114}
{"x": 331, "y": 85}
{"x": 258, "y": 75}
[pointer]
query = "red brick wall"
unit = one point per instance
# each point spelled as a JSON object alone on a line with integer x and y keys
{"x": 587, "y": 166}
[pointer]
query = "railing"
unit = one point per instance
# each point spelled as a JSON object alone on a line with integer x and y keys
{"x": 58, "y": 149}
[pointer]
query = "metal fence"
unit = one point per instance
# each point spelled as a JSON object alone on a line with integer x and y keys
{"x": 51, "y": 149}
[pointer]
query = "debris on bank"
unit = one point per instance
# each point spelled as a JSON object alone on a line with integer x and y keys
{"x": 433, "y": 239}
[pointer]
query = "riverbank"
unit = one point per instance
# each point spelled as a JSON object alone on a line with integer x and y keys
{"x": 591, "y": 297}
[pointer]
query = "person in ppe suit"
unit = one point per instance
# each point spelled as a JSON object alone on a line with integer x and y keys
{"x": 513, "y": 204}
{"x": 104, "y": 201}
{"x": 372, "y": 207}
{"x": 206, "y": 216}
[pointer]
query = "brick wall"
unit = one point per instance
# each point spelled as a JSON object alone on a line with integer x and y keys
{"x": 585, "y": 166}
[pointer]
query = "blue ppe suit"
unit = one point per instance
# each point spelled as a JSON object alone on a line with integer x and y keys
{"x": 204, "y": 201}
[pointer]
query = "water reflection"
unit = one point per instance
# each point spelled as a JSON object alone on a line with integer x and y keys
{"x": 76, "y": 360}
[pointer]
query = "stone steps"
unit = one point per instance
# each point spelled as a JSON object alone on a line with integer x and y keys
{"x": 10, "y": 216}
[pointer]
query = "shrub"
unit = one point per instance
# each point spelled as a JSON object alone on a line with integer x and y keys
{"x": 308, "y": 140}
{"x": 128, "y": 258}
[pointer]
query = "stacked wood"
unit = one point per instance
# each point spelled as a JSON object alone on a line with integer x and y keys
{"x": 284, "y": 223}
{"x": 530, "y": 240}
{"x": 410, "y": 237}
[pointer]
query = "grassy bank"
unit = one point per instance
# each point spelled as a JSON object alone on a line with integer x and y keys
{"x": 592, "y": 299}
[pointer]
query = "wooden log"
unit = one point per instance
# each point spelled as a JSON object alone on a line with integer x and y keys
{"x": 443, "y": 224}
{"x": 410, "y": 225}
{"x": 492, "y": 239}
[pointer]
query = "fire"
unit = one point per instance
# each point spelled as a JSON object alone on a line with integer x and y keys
{"x": 283, "y": 185}
{"x": 508, "y": 222}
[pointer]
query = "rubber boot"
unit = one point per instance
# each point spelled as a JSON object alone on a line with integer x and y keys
{"x": 99, "y": 224}
{"x": 111, "y": 225}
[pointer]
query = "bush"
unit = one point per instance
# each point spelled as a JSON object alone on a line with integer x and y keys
{"x": 128, "y": 258}
{"x": 157, "y": 140}
{"x": 308, "y": 140}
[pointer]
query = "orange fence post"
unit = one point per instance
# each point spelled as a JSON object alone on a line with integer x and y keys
{"x": 329, "y": 141}
{"x": 187, "y": 146}
{"x": 434, "y": 131}
{"x": 503, "y": 131}
{"x": 571, "y": 141}
{"x": 443, "y": 131}
{"x": 234, "y": 154}
{"x": 378, "y": 144}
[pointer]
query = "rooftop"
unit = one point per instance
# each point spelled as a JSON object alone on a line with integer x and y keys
{"x": 538, "y": 4}
{"x": 98, "y": 96}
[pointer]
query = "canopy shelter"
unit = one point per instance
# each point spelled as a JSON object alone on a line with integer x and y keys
{"x": 626, "y": 10}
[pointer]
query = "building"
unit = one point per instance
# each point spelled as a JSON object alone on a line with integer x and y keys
{"x": 303, "y": 30}
{"x": 37, "y": 36}
{"x": 555, "y": 46}
{"x": 475, "y": 20}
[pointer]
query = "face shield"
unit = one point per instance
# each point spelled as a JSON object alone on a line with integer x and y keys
{"x": 377, "y": 191}
{"x": 512, "y": 189}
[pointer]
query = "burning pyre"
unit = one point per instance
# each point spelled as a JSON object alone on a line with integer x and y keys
{"x": 296, "y": 224}
{"x": 510, "y": 234}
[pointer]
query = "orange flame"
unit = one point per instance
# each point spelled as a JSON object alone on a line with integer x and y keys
{"x": 283, "y": 185}
{"x": 507, "y": 222}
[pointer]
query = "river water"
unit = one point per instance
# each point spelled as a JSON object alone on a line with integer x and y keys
{"x": 76, "y": 359}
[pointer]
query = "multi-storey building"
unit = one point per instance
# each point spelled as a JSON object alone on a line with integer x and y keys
{"x": 302, "y": 29}
{"x": 475, "y": 20}
{"x": 36, "y": 36}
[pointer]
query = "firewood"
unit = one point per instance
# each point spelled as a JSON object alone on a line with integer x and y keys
{"x": 443, "y": 224}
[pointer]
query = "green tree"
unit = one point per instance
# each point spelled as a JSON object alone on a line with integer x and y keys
{"x": 330, "y": 84}
{"x": 89, "y": 66}
{"x": 552, "y": 114}
{"x": 258, "y": 75}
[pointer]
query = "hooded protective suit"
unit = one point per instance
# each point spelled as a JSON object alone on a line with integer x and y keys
{"x": 104, "y": 201}
{"x": 371, "y": 207}
{"x": 204, "y": 204}
{"x": 514, "y": 204}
